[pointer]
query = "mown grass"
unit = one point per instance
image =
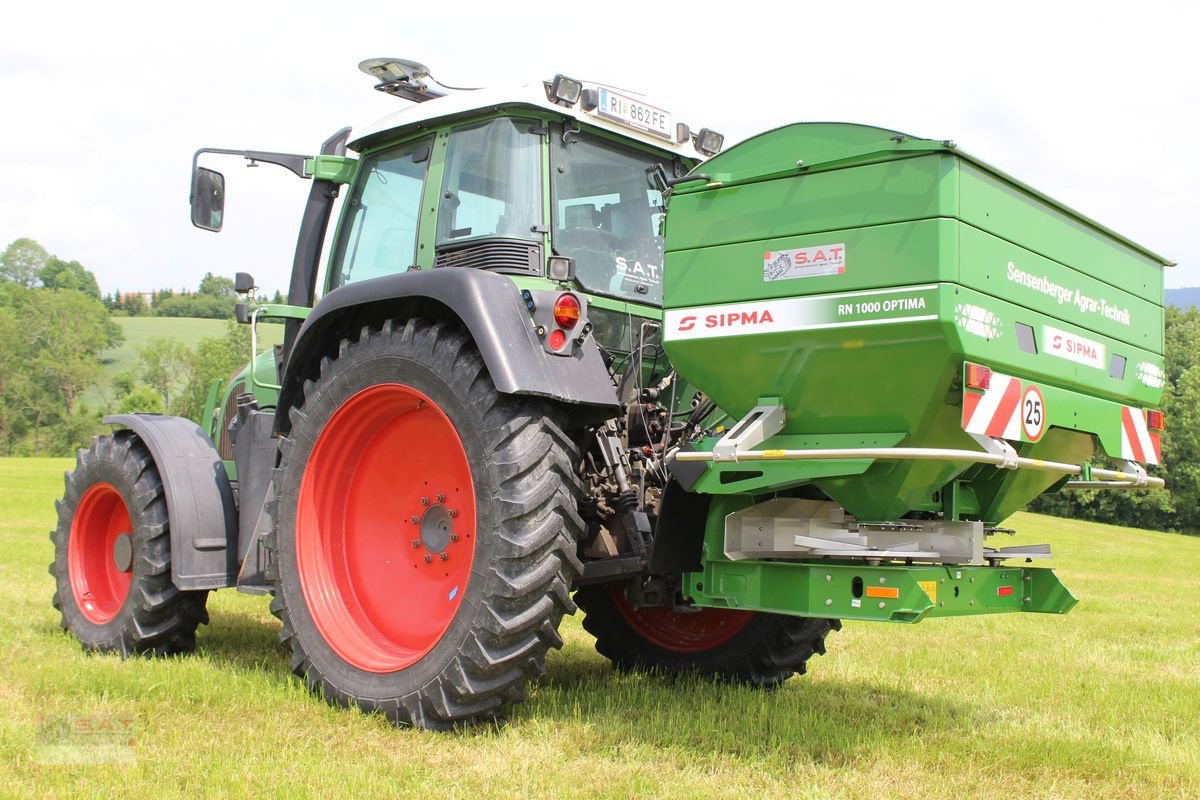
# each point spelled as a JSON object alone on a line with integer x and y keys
{"x": 1101, "y": 703}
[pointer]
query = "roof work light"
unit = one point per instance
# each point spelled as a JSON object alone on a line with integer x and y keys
{"x": 564, "y": 91}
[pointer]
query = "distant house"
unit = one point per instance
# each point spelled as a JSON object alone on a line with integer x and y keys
{"x": 147, "y": 297}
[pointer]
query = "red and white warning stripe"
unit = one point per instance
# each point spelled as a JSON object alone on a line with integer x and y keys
{"x": 1137, "y": 442}
{"x": 996, "y": 412}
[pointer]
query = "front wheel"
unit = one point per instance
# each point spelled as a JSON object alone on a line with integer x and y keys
{"x": 112, "y": 555}
{"x": 425, "y": 532}
{"x": 749, "y": 647}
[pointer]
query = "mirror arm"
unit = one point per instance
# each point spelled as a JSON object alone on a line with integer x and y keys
{"x": 289, "y": 161}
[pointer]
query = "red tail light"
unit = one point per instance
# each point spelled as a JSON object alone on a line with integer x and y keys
{"x": 1156, "y": 421}
{"x": 566, "y": 311}
{"x": 978, "y": 377}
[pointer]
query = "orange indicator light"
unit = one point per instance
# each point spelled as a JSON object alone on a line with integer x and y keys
{"x": 567, "y": 311}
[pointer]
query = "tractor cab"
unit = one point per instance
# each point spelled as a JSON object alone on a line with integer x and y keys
{"x": 560, "y": 181}
{"x": 557, "y": 185}
{"x": 488, "y": 184}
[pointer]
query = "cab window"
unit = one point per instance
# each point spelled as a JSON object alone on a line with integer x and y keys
{"x": 492, "y": 184}
{"x": 607, "y": 216}
{"x": 379, "y": 234}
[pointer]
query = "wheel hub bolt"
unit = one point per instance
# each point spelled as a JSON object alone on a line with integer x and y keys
{"x": 443, "y": 556}
{"x": 415, "y": 519}
{"x": 441, "y": 498}
{"x": 424, "y": 501}
{"x": 416, "y": 543}
{"x": 454, "y": 537}
{"x": 453, "y": 513}
{"x": 428, "y": 559}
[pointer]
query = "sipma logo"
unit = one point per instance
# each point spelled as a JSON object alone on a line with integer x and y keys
{"x": 719, "y": 323}
{"x": 738, "y": 318}
{"x": 730, "y": 320}
{"x": 1064, "y": 344}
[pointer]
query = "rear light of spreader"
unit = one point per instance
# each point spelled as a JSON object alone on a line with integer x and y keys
{"x": 1156, "y": 421}
{"x": 978, "y": 377}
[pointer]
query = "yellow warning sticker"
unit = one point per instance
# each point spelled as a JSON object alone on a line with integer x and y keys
{"x": 774, "y": 453}
{"x": 930, "y": 588}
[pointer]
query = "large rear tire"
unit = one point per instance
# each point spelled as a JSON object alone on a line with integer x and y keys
{"x": 112, "y": 555}
{"x": 426, "y": 530}
{"x": 754, "y": 648}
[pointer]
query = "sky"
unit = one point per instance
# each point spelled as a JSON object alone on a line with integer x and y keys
{"x": 102, "y": 105}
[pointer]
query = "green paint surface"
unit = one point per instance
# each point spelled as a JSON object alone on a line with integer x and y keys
{"x": 855, "y": 286}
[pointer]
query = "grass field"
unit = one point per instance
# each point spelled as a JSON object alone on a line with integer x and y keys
{"x": 140, "y": 331}
{"x": 1101, "y": 703}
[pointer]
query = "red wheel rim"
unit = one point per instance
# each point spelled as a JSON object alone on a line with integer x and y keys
{"x": 385, "y": 528}
{"x": 99, "y": 585}
{"x": 691, "y": 632}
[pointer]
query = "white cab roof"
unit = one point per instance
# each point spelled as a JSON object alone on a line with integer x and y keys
{"x": 461, "y": 103}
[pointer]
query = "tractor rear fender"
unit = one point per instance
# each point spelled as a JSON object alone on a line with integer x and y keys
{"x": 201, "y": 511}
{"x": 492, "y": 309}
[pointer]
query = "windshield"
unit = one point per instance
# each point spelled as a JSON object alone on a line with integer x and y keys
{"x": 607, "y": 216}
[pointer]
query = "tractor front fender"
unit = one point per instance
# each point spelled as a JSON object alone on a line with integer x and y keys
{"x": 201, "y": 511}
{"x": 492, "y": 309}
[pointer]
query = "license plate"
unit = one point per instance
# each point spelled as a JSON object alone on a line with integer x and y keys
{"x": 635, "y": 114}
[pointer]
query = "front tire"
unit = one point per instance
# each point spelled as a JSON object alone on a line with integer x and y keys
{"x": 425, "y": 531}
{"x": 755, "y": 648}
{"x": 112, "y": 555}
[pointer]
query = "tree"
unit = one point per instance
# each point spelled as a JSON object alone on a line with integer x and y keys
{"x": 135, "y": 305}
{"x": 67, "y": 331}
{"x": 10, "y": 374}
{"x": 22, "y": 262}
{"x": 59, "y": 274}
{"x": 216, "y": 359}
{"x": 216, "y": 286}
{"x": 51, "y": 342}
{"x": 205, "y": 306}
{"x": 166, "y": 367}
{"x": 141, "y": 398}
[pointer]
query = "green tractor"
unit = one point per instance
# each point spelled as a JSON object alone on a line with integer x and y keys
{"x": 511, "y": 383}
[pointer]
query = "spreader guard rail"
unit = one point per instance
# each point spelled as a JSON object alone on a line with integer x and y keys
{"x": 1135, "y": 478}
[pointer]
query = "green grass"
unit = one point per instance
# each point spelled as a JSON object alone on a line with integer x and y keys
{"x": 140, "y": 331}
{"x": 1101, "y": 703}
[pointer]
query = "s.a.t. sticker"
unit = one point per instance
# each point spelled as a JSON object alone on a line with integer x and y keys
{"x": 806, "y": 262}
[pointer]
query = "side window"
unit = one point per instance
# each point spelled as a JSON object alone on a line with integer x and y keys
{"x": 379, "y": 234}
{"x": 493, "y": 182}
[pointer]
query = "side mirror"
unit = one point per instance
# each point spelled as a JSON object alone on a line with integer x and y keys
{"x": 208, "y": 199}
{"x": 243, "y": 282}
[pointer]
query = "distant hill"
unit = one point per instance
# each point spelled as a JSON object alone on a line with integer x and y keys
{"x": 1182, "y": 298}
{"x": 140, "y": 331}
